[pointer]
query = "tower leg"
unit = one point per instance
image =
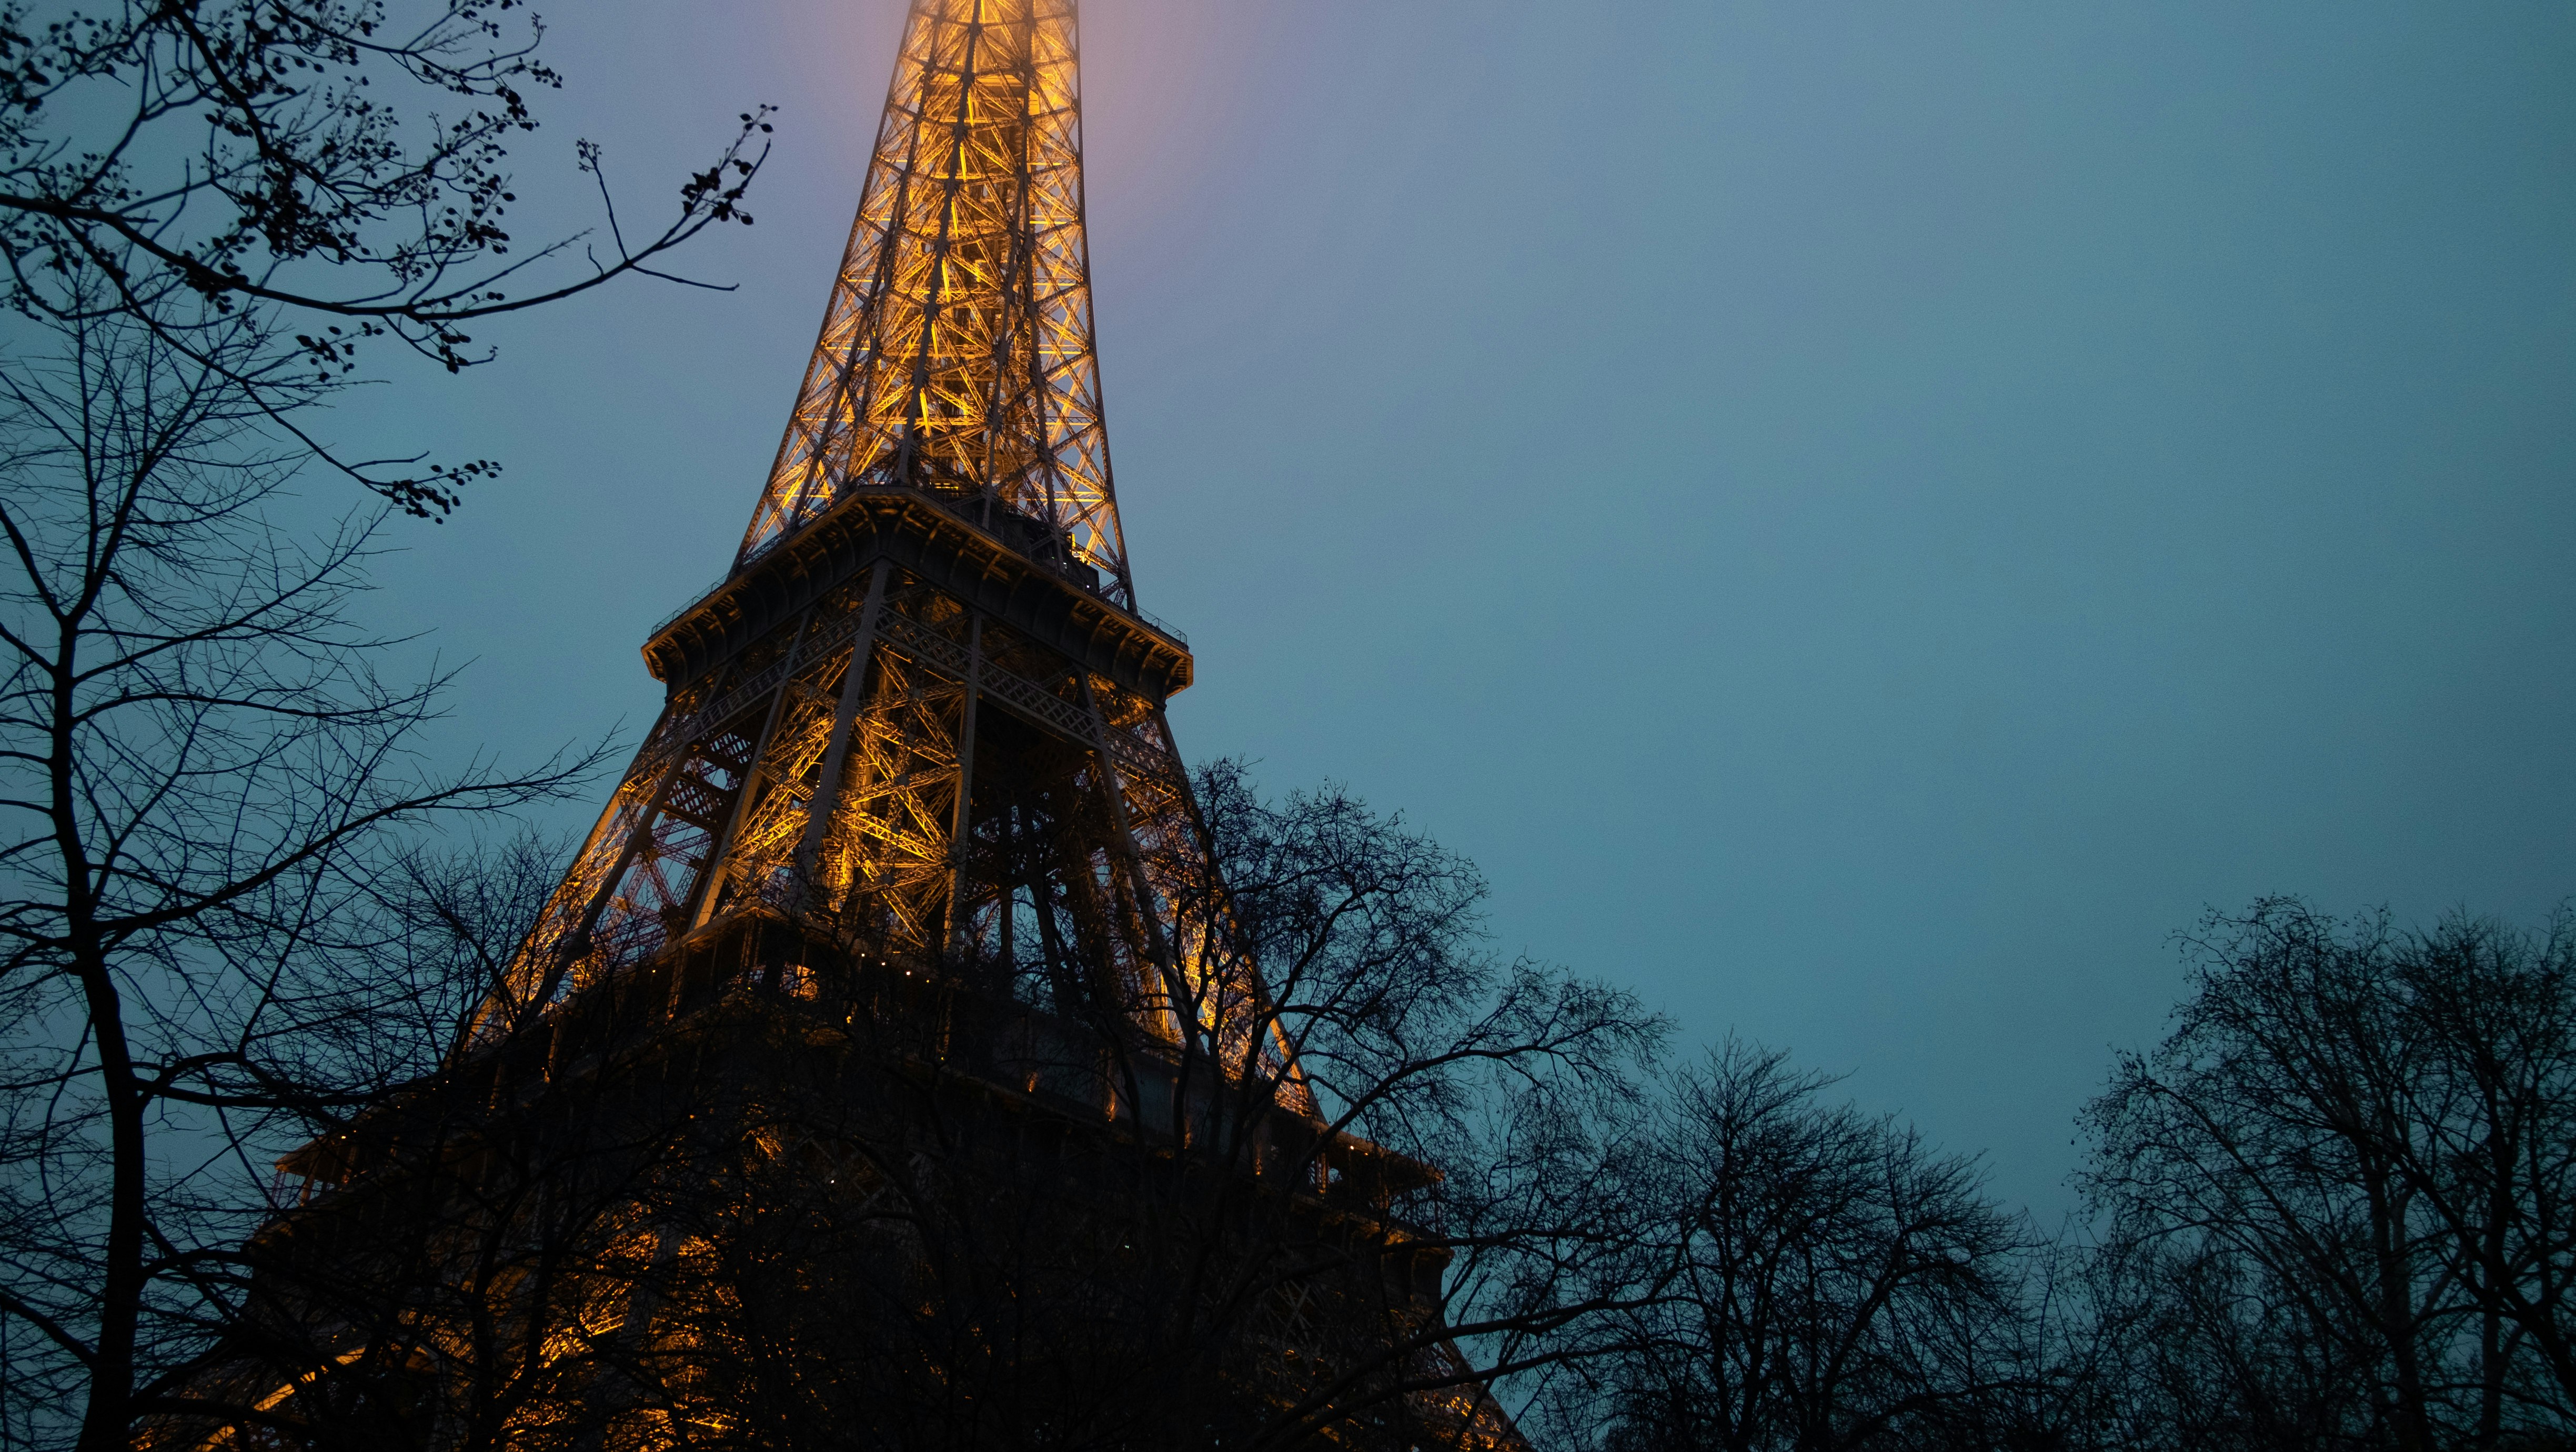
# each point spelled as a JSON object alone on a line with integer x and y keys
{"x": 960, "y": 818}
{"x": 854, "y": 693}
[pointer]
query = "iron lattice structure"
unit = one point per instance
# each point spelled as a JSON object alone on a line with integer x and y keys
{"x": 956, "y": 353}
{"x": 896, "y": 1000}
{"x": 921, "y": 718}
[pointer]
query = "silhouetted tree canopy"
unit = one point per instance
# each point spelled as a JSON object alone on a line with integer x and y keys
{"x": 210, "y": 790}
{"x": 2340, "y": 1197}
{"x": 336, "y": 170}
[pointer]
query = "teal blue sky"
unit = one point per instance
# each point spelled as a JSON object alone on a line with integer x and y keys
{"x": 1863, "y": 519}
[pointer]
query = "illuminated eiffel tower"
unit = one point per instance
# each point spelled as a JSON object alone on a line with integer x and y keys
{"x": 887, "y": 1068}
{"x": 922, "y": 718}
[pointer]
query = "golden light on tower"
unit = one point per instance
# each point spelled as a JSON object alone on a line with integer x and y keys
{"x": 956, "y": 352}
{"x": 922, "y": 719}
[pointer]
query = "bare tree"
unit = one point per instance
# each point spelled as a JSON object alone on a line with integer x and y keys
{"x": 1826, "y": 1281}
{"x": 1501, "y": 1097}
{"x": 2191, "y": 1345}
{"x": 206, "y": 781}
{"x": 262, "y": 155}
{"x": 2494, "y": 1011}
{"x": 2337, "y": 1195}
{"x": 210, "y": 787}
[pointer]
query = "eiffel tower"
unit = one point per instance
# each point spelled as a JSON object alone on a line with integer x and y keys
{"x": 895, "y": 1007}
{"x": 922, "y": 718}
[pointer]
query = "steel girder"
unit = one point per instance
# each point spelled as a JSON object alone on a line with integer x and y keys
{"x": 981, "y": 791}
{"x": 956, "y": 351}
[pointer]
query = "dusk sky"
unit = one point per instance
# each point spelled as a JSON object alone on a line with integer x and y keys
{"x": 1863, "y": 520}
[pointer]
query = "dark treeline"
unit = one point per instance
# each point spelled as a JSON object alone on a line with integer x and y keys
{"x": 2332, "y": 1209}
{"x": 2336, "y": 1202}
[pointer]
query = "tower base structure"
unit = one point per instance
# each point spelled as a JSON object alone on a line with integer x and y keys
{"x": 756, "y": 1194}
